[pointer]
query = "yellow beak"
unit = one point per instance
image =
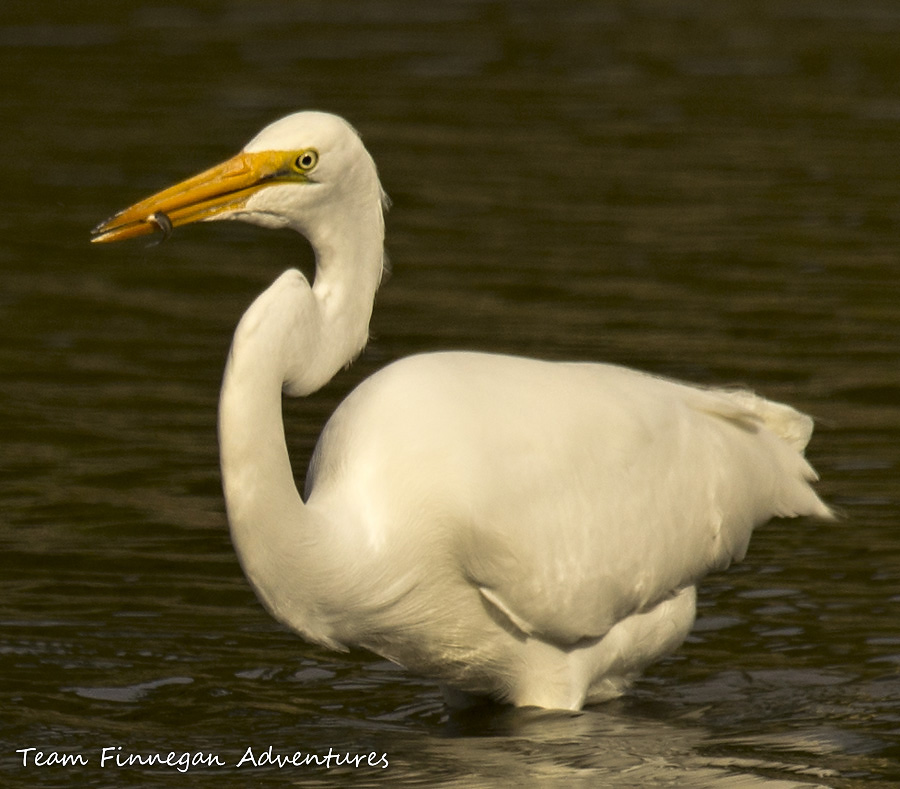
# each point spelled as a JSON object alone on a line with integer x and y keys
{"x": 225, "y": 187}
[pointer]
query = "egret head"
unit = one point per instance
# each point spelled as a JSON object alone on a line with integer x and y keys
{"x": 293, "y": 173}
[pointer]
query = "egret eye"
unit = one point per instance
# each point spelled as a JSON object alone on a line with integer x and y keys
{"x": 306, "y": 161}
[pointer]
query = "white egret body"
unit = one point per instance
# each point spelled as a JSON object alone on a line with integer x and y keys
{"x": 525, "y": 530}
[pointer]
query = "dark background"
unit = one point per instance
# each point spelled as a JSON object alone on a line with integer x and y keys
{"x": 702, "y": 190}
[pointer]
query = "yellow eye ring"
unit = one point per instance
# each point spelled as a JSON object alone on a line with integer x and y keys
{"x": 306, "y": 160}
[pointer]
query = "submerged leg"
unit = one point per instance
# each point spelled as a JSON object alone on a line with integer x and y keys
{"x": 460, "y": 700}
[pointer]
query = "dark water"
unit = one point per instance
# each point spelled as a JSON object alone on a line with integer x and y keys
{"x": 708, "y": 191}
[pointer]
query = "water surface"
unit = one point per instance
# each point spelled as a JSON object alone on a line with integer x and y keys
{"x": 701, "y": 191}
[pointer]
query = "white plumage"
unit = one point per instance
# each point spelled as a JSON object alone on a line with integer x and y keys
{"x": 526, "y": 530}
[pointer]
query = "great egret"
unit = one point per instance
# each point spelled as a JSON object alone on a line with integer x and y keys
{"x": 519, "y": 529}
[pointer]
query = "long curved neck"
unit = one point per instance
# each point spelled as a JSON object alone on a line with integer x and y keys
{"x": 293, "y": 337}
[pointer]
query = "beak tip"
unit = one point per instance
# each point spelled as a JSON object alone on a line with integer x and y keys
{"x": 109, "y": 231}
{"x": 101, "y": 229}
{"x": 101, "y": 232}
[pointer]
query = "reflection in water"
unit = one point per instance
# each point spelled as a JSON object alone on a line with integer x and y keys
{"x": 631, "y": 750}
{"x": 130, "y": 693}
{"x": 704, "y": 191}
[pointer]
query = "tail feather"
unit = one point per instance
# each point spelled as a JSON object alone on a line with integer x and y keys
{"x": 792, "y": 427}
{"x": 785, "y": 422}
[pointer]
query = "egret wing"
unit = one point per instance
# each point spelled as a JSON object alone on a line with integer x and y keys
{"x": 569, "y": 495}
